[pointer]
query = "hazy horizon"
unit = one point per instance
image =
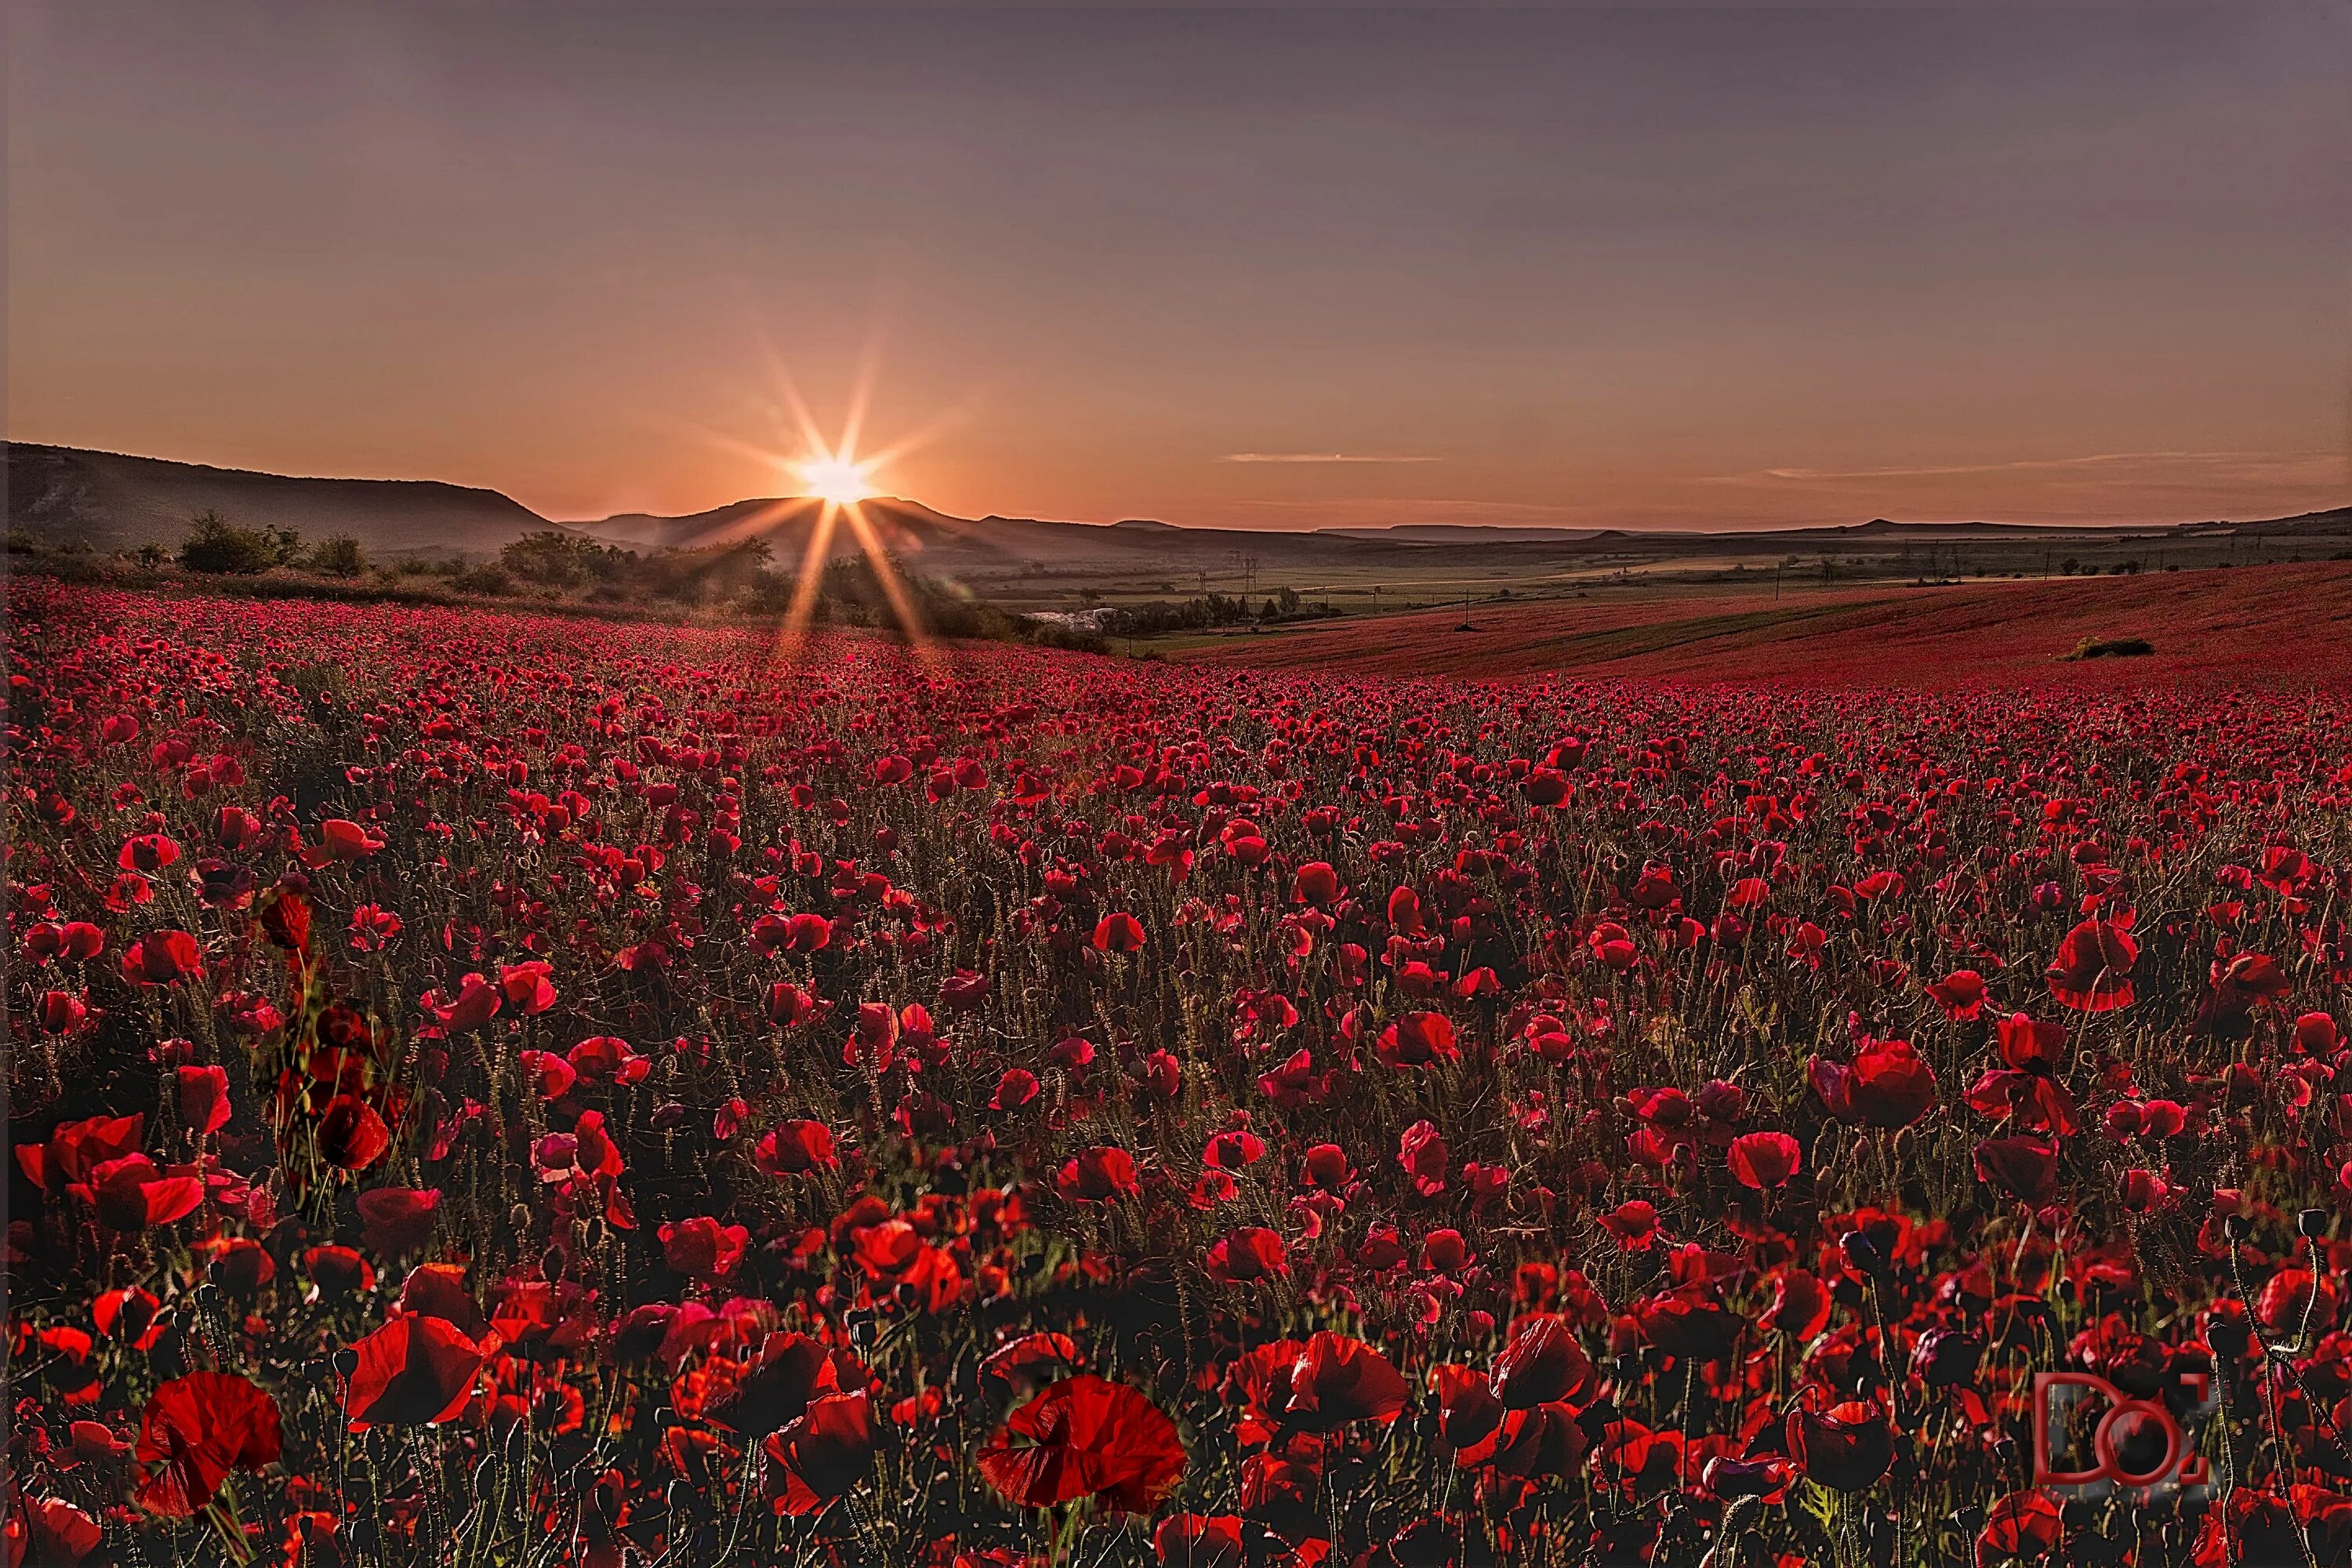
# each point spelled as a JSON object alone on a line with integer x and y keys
{"x": 1673, "y": 269}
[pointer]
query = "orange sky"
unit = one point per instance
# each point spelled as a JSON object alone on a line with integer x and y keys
{"x": 1683, "y": 269}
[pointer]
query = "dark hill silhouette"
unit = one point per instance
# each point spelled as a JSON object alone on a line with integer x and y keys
{"x": 935, "y": 541}
{"x": 112, "y": 502}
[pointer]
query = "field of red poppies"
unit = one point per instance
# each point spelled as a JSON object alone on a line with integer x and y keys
{"x": 2270, "y": 626}
{"x": 497, "y": 1091}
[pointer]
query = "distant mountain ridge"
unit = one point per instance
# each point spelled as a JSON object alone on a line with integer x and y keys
{"x": 112, "y": 500}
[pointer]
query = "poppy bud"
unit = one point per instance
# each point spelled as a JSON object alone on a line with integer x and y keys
{"x": 2311, "y": 1224}
{"x": 1862, "y": 1252}
{"x": 2228, "y": 1336}
{"x": 2235, "y": 1226}
{"x": 347, "y": 1361}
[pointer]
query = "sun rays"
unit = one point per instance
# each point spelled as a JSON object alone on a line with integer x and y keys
{"x": 840, "y": 479}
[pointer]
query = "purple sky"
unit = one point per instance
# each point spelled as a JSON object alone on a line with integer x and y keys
{"x": 1694, "y": 268}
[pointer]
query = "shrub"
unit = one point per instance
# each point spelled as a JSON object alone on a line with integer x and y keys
{"x": 487, "y": 577}
{"x": 215, "y": 544}
{"x": 338, "y": 555}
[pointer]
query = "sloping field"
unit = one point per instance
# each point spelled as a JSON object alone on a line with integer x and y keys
{"x": 2283, "y": 624}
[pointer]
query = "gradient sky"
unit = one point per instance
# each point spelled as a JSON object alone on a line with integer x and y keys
{"x": 1662, "y": 267}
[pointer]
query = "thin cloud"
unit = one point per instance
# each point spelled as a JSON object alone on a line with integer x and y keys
{"x": 1424, "y": 503}
{"x": 1318, "y": 457}
{"x": 2255, "y": 461}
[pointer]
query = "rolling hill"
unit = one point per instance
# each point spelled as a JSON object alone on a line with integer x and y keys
{"x": 111, "y": 501}
{"x": 933, "y": 540}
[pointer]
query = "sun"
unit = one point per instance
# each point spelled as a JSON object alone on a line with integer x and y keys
{"x": 835, "y": 477}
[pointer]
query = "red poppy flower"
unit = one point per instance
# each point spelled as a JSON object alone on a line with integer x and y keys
{"x": 129, "y": 1314}
{"x": 529, "y": 986}
{"x": 1541, "y": 1362}
{"x": 351, "y": 1136}
{"x": 203, "y": 1099}
{"x": 2021, "y": 1526}
{"x": 477, "y": 1003}
{"x": 542, "y": 1319}
{"x": 788, "y": 1004}
{"x": 2091, "y": 971}
{"x": 1418, "y": 1039}
{"x": 1199, "y": 1540}
{"x": 1032, "y": 1359}
{"x": 1688, "y": 1323}
{"x": 439, "y": 1290}
{"x": 1544, "y": 1441}
{"x": 1426, "y": 1158}
{"x": 1634, "y": 1223}
{"x": 1245, "y": 1256}
{"x": 1016, "y": 1088}
{"x": 163, "y": 958}
{"x": 1961, "y": 994}
{"x": 60, "y": 1012}
{"x": 702, "y": 1249}
{"x": 796, "y": 1148}
{"x": 1547, "y": 787}
{"x": 49, "y": 1530}
{"x": 77, "y": 1148}
{"x": 340, "y": 840}
{"x": 337, "y": 1272}
{"x": 778, "y": 1385}
{"x": 1326, "y": 1166}
{"x": 1845, "y": 1447}
{"x": 135, "y": 1193}
{"x": 412, "y": 1372}
{"x": 2030, "y": 1047}
{"x": 1334, "y": 1381}
{"x": 241, "y": 1266}
{"x": 2030, "y": 1097}
{"x": 1086, "y": 1437}
{"x": 148, "y": 853}
{"x": 1119, "y": 933}
{"x": 1098, "y": 1175}
{"x": 1405, "y": 912}
{"x": 1468, "y": 1413}
{"x": 1886, "y": 1085}
{"x": 1232, "y": 1149}
{"x": 1762, "y": 1160}
{"x": 398, "y": 1219}
{"x": 607, "y": 1061}
{"x": 825, "y": 1452}
{"x": 1315, "y": 883}
{"x": 198, "y": 1428}
{"x": 807, "y": 933}
{"x": 2023, "y": 1167}
{"x": 1801, "y": 1305}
